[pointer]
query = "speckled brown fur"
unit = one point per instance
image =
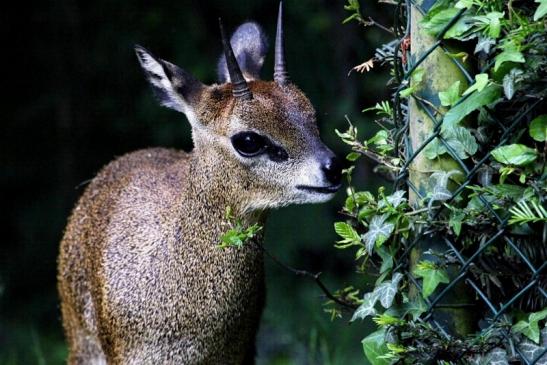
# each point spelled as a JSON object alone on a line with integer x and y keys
{"x": 141, "y": 278}
{"x": 129, "y": 279}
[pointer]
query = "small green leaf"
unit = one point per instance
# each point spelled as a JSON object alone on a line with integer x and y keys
{"x": 405, "y": 93}
{"x": 379, "y": 138}
{"x": 481, "y": 80}
{"x": 455, "y": 221}
{"x": 459, "y": 139}
{"x": 509, "y": 81}
{"x": 474, "y": 101}
{"x": 387, "y": 290}
{"x": 460, "y": 29}
{"x": 394, "y": 200}
{"x": 417, "y": 75}
{"x": 508, "y": 55}
{"x": 387, "y": 259}
{"x": 353, "y": 156}
{"x": 530, "y": 328}
{"x": 434, "y": 148}
{"x": 451, "y": 95}
{"x": 484, "y": 44}
{"x": 366, "y": 308}
{"x": 494, "y": 24}
{"x": 415, "y": 307}
{"x": 541, "y": 9}
{"x": 349, "y": 235}
{"x": 432, "y": 276}
{"x": 514, "y": 154}
{"x": 378, "y": 232}
{"x": 439, "y": 21}
{"x": 464, "y": 4}
{"x": 538, "y": 128}
{"x": 374, "y": 346}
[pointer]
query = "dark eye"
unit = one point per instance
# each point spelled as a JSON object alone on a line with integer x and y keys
{"x": 277, "y": 154}
{"x": 249, "y": 144}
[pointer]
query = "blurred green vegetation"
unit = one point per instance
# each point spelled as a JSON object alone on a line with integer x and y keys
{"x": 76, "y": 98}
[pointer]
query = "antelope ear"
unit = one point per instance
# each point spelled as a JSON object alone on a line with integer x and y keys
{"x": 250, "y": 46}
{"x": 173, "y": 87}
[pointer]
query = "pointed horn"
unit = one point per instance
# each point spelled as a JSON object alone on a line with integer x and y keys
{"x": 240, "y": 88}
{"x": 281, "y": 76}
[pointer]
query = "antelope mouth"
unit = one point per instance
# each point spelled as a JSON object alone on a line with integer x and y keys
{"x": 320, "y": 189}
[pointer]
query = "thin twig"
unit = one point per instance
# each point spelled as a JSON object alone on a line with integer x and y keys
{"x": 315, "y": 277}
{"x": 371, "y": 21}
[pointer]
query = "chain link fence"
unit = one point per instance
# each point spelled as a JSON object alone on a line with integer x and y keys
{"x": 472, "y": 300}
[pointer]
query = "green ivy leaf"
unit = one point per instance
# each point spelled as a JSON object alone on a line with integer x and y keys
{"x": 432, "y": 276}
{"x": 538, "y": 128}
{"x": 415, "y": 307}
{"x": 378, "y": 232}
{"x": 541, "y": 9}
{"x": 387, "y": 290}
{"x": 484, "y": 44}
{"x": 481, "y": 80}
{"x": 455, "y": 221}
{"x": 375, "y": 346}
{"x": 460, "y": 140}
{"x": 464, "y": 4}
{"x": 438, "y": 21}
{"x": 366, "y": 308}
{"x": 395, "y": 199}
{"x": 460, "y": 28}
{"x": 434, "y": 148}
{"x": 514, "y": 154}
{"x": 451, "y": 95}
{"x": 509, "y": 81}
{"x": 387, "y": 259}
{"x": 510, "y": 54}
{"x": 416, "y": 79}
{"x": 493, "y": 24}
{"x": 530, "y": 328}
{"x": 474, "y": 101}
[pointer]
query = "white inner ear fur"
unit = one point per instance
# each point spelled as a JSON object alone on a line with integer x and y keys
{"x": 159, "y": 79}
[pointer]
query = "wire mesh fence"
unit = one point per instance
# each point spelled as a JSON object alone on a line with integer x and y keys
{"x": 472, "y": 263}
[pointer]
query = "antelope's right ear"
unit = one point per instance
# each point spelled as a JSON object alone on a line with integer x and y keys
{"x": 174, "y": 87}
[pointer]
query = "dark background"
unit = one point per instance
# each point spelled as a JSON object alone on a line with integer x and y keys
{"x": 74, "y": 98}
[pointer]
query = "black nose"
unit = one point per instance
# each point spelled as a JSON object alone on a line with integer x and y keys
{"x": 332, "y": 167}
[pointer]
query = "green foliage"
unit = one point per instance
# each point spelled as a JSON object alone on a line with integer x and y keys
{"x": 481, "y": 80}
{"x": 375, "y": 347}
{"x": 381, "y": 108}
{"x": 510, "y": 186}
{"x": 432, "y": 276}
{"x": 237, "y": 235}
{"x": 538, "y": 128}
{"x": 473, "y": 102}
{"x": 416, "y": 79}
{"x": 450, "y": 96}
{"x": 510, "y": 54}
{"x": 522, "y": 213}
{"x": 514, "y": 154}
{"x": 355, "y": 9}
{"x": 459, "y": 139}
{"x": 378, "y": 232}
{"x": 530, "y": 327}
{"x": 541, "y": 9}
